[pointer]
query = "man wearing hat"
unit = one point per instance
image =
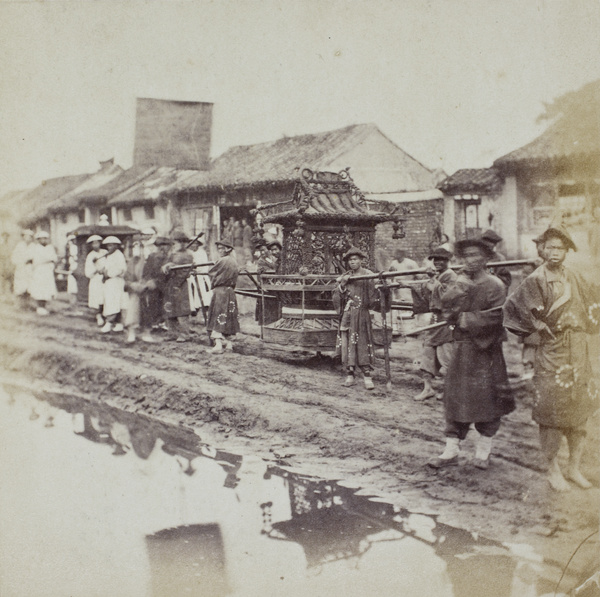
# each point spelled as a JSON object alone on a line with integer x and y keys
{"x": 564, "y": 309}
{"x": 476, "y": 386}
{"x": 151, "y": 300}
{"x": 176, "y": 294}
{"x": 22, "y": 265}
{"x": 113, "y": 267}
{"x": 43, "y": 260}
{"x": 199, "y": 283}
{"x": 223, "y": 313}
{"x": 354, "y": 299}
{"x": 492, "y": 238}
{"x": 268, "y": 263}
{"x": 93, "y": 272}
{"x": 427, "y": 298}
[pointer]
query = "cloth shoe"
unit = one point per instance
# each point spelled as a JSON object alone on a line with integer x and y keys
{"x": 107, "y": 327}
{"x": 349, "y": 381}
{"x": 42, "y": 311}
{"x": 148, "y": 338}
{"x": 449, "y": 457}
{"x": 369, "y": 385}
{"x": 99, "y": 319}
{"x": 483, "y": 447}
{"x": 118, "y": 327}
{"x": 217, "y": 348}
{"x": 130, "y": 337}
{"x": 228, "y": 345}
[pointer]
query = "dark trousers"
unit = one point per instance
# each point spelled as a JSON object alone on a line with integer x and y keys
{"x": 460, "y": 430}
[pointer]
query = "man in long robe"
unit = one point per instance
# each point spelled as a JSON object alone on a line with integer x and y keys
{"x": 354, "y": 299}
{"x": 151, "y": 300}
{"x": 199, "y": 283}
{"x": 176, "y": 293}
{"x": 476, "y": 388}
{"x": 438, "y": 344}
{"x": 223, "y": 321}
{"x": 113, "y": 268}
{"x": 42, "y": 287}
{"x": 493, "y": 239}
{"x": 93, "y": 272}
{"x": 22, "y": 265}
{"x": 564, "y": 310}
{"x": 268, "y": 310}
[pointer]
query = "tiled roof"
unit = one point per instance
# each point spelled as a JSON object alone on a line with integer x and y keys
{"x": 278, "y": 161}
{"x": 472, "y": 180}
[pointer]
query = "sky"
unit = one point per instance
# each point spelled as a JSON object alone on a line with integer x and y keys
{"x": 455, "y": 83}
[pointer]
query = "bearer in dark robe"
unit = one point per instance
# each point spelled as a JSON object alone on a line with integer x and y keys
{"x": 476, "y": 387}
{"x": 268, "y": 264}
{"x": 564, "y": 310}
{"x": 151, "y": 300}
{"x": 223, "y": 312}
{"x": 438, "y": 345}
{"x": 354, "y": 298}
{"x": 176, "y": 303}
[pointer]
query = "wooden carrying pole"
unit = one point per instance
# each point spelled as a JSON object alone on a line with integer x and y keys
{"x": 441, "y": 324}
{"x": 415, "y": 272}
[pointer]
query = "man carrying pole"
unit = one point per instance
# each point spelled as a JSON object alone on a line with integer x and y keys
{"x": 438, "y": 344}
{"x": 476, "y": 388}
{"x": 223, "y": 321}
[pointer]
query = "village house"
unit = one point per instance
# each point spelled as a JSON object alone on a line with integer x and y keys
{"x": 554, "y": 179}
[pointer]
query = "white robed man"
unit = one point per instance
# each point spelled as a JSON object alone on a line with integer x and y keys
{"x": 22, "y": 265}
{"x": 113, "y": 271}
{"x": 198, "y": 282}
{"x": 93, "y": 272}
{"x": 43, "y": 258}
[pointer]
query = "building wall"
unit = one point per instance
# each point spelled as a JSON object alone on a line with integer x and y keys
{"x": 137, "y": 217}
{"x": 423, "y": 222}
{"x": 60, "y": 226}
{"x": 377, "y": 165}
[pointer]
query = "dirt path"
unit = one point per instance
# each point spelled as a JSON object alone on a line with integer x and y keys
{"x": 290, "y": 406}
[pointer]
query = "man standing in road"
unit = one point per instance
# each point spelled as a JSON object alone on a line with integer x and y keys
{"x": 437, "y": 344}
{"x": 564, "y": 310}
{"x": 223, "y": 313}
{"x": 476, "y": 388}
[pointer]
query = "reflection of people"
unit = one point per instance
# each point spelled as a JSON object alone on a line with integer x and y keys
{"x": 476, "y": 388}
{"x": 437, "y": 344}
{"x": 563, "y": 309}
{"x": 22, "y": 275}
{"x": 223, "y": 313}
{"x": 43, "y": 259}
{"x": 93, "y": 267}
{"x": 354, "y": 298}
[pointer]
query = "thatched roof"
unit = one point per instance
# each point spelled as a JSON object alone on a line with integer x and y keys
{"x": 278, "y": 161}
{"x": 74, "y": 199}
{"x": 573, "y": 135}
{"x": 117, "y": 184}
{"x": 149, "y": 188}
{"x": 480, "y": 181}
{"x": 33, "y": 205}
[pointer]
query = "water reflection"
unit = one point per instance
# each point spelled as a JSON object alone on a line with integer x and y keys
{"x": 108, "y": 502}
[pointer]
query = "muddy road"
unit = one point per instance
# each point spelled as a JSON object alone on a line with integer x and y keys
{"x": 290, "y": 407}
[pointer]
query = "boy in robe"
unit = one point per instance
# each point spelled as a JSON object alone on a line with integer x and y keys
{"x": 476, "y": 386}
{"x": 223, "y": 312}
{"x": 354, "y": 299}
{"x": 564, "y": 310}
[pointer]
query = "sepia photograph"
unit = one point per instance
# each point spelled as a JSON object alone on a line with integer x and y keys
{"x": 300, "y": 298}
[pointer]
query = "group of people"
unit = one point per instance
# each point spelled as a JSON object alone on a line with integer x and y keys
{"x": 471, "y": 310}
